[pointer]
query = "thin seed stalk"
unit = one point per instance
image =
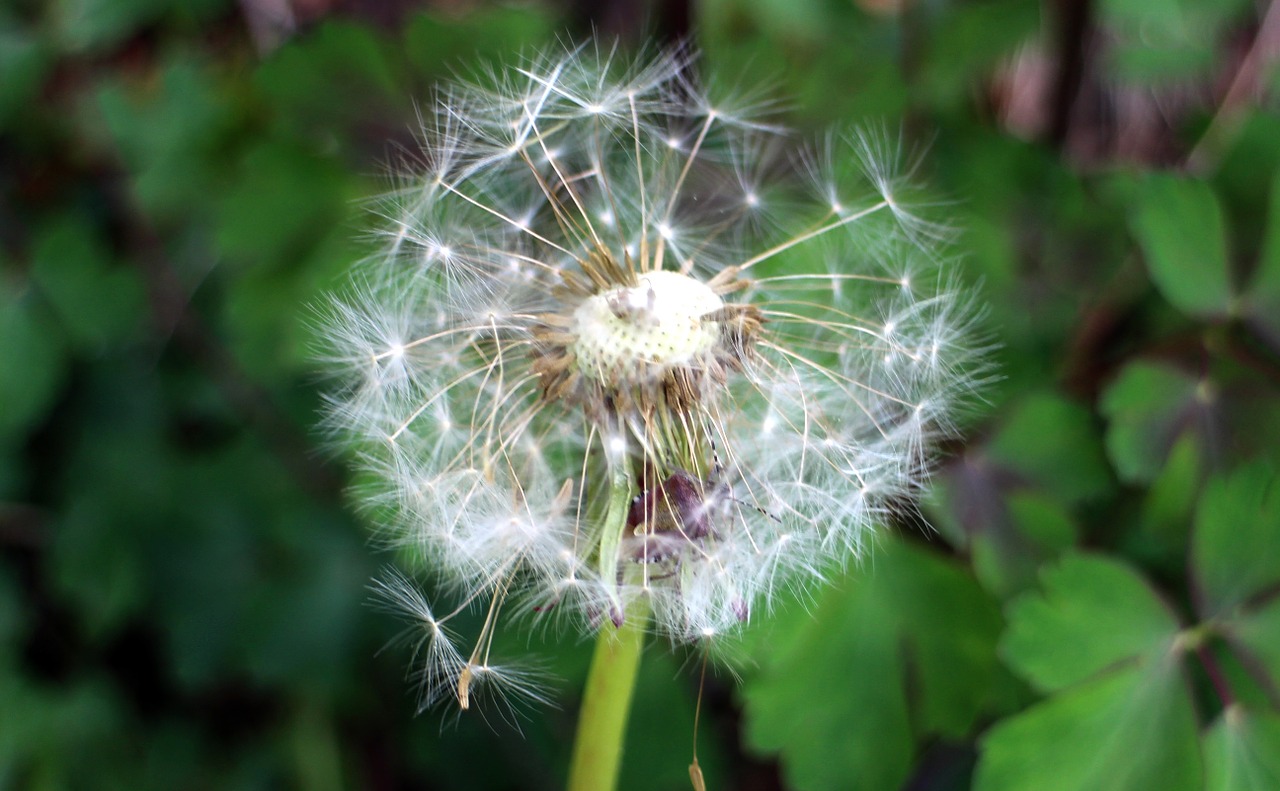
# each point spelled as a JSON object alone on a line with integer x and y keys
{"x": 606, "y": 699}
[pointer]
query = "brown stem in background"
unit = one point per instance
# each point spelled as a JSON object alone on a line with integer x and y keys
{"x": 1245, "y": 84}
{"x": 1072, "y": 33}
{"x": 1217, "y": 678}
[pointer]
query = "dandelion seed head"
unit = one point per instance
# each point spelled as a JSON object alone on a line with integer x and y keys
{"x": 617, "y": 346}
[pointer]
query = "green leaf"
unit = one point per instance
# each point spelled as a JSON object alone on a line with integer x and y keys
{"x": 1266, "y": 280}
{"x": 1043, "y": 521}
{"x": 1055, "y": 443}
{"x": 32, "y": 361}
{"x": 1121, "y": 716}
{"x": 1261, "y": 304}
{"x": 283, "y": 201}
{"x": 904, "y": 650}
{"x": 1147, "y": 406}
{"x": 1178, "y": 222}
{"x": 859, "y": 739}
{"x": 1258, "y": 633}
{"x": 95, "y": 565}
{"x": 318, "y": 84}
{"x": 1242, "y": 751}
{"x": 25, "y": 61}
{"x": 166, "y": 130}
{"x": 1164, "y": 529}
{"x": 1006, "y": 553}
{"x": 13, "y": 613}
{"x": 1095, "y": 613}
{"x": 57, "y": 732}
{"x": 97, "y": 24}
{"x": 73, "y": 268}
{"x": 967, "y": 41}
{"x": 1236, "y": 551}
{"x": 119, "y": 483}
{"x": 845, "y": 69}
{"x": 436, "y": 44}
{"x": 1134, "y": 728}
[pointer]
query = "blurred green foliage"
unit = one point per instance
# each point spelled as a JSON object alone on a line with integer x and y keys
{"x": 1096, "y": 603}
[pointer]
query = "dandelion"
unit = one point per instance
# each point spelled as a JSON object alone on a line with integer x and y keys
{"x": 623, "y": 364}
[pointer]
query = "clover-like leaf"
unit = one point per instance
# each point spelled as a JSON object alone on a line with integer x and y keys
{"x": 1120, "y": 716}
{"x": 73, "y": 269}
{"x": 1258, "y": 632}
{"x": 436, "y": 43}
{"x": 316, "y": 83}
{"x": 1261, "y": 304}
{"x": 1164, "y": 527}
{"x": 905, "y": 649}
{"x": 1236, "y": 551}
{"x": 1235, "y": 563}
{"x": 284, "y": 198}
{"x": 1131, "y": 729}
{"x": 33, "y": 361}
{"x": 661, "y": 725}
{"x": 1242, "y": 751}
{"x": 1095, "y": 613}
{"x": 25, "y": 61}
{"x": 1007, "y": 552}
{"x": 166, "y": 131}
{"x": 1147, "y": 407}
{"x": 1178, "y": 223}
{"x": 1053, "y": 442}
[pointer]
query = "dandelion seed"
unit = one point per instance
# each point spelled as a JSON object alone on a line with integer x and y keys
{"x": 604, "y": 378}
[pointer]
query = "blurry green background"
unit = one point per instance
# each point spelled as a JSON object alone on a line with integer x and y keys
{"x": 1090, "y": 599}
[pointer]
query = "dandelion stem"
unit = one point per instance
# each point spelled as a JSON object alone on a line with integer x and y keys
{"x": 606, "y": 701}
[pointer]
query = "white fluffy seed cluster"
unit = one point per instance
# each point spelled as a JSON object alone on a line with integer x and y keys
{"x": 623, "y": 343}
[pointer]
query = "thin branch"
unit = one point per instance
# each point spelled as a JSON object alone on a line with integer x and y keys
{"x": 1246, "y": 83}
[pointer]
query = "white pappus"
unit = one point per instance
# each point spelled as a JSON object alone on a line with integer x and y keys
{"x": 622, "y": 343}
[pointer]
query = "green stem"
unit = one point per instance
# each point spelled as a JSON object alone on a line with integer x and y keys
{"x": 606, "y": 700}
{"x": 602, "y": 723}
